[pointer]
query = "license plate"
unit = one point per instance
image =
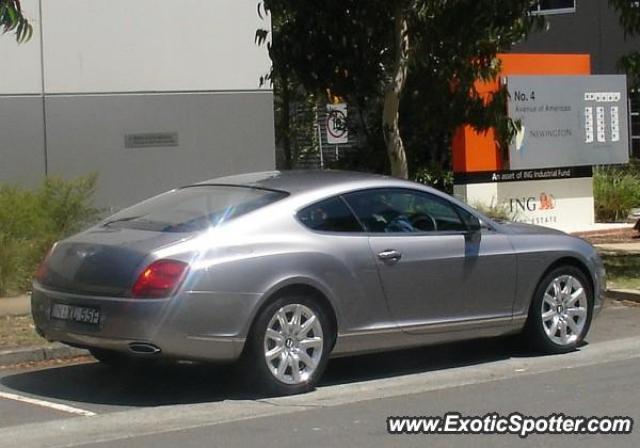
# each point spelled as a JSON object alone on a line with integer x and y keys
{"x": 83, "y": 314}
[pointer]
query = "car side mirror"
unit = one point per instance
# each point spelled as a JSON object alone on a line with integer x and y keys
{"x": 473, "y": 224}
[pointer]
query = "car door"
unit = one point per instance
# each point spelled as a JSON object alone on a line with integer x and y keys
{"x": 433, "y": 268}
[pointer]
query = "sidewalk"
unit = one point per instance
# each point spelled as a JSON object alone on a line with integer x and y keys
{"x": 619, "y": 248}
{"x": 15, "y": 306}
{"x": 20, "y": 306}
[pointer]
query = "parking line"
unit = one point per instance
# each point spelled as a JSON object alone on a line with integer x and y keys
{"x": 47, "y": 404}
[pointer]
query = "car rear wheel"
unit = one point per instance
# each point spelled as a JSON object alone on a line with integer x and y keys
{"x": 561, "y": 310}
{"x": 288, "y": 347}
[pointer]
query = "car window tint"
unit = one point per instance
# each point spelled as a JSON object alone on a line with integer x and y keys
{"x": 193, "y": 209}
{"x": 402, "y": 211}
{"x": 331, "y": 215}
{"x": 469, "y": 219}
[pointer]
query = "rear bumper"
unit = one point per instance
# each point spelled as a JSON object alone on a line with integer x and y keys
{"x": 180, "y": 327}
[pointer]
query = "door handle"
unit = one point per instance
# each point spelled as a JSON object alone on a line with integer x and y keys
{"x": 390, "y": 256}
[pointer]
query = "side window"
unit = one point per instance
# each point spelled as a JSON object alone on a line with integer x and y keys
{"x": 401, "y": 211}
{"x": 331, "y": 215}
{"x": 469, "y": 219}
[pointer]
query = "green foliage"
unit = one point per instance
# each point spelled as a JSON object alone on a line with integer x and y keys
{"x": 12, "y": 20}
{"x": 616, "y": 191}
{"x": 629, "y": 11}
{"x": 348, "y": 47}
{"x": 31, "y": 221}
{"x": 630, "y": 64}
{"x": 435, "y": 176}
{"x": 68, "y": 203}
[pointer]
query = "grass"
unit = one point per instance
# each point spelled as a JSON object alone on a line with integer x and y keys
{"x": 18, "y": 331}
{"x": 616, "y": 191}
{"x": 623, "y": 271}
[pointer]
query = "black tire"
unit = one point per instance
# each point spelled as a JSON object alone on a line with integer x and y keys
{"x": 534, "y": 332}
{"x": 253, "y": 365}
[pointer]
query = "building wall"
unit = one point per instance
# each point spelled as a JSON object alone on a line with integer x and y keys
{"x": 95, "y": 72}
{"x": 593, "y": 29}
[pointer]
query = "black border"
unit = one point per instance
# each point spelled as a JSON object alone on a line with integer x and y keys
{"x": 554, "y": 173}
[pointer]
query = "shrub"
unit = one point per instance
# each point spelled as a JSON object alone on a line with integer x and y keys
{"x": 68, "y": 204}
{"x": 497, "y": 211}
{"x": 616, "y": 191}
{"x": 30, "y": 221}
{"x": 436, "y": 177}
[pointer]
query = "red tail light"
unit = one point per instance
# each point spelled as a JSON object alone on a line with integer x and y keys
{"x": 159, "y": 279}
{"x": 43, "y": 267}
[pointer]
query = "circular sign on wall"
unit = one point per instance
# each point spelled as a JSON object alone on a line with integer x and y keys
{"x": 336, "y": 124}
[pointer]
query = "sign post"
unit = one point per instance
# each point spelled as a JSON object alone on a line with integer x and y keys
{"x": 570, "y": 120}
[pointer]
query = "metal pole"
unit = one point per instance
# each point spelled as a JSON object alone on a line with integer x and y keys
{"x": 320, "y": 140}
{"x": 630, "y": 123}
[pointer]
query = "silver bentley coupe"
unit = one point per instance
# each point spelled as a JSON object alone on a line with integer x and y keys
{"x": 282, "y": 270}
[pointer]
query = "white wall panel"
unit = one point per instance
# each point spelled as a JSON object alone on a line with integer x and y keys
{"x": 568, "y": 203}
{"x": 21, "y": 72}
{"x": 151, "y": 45}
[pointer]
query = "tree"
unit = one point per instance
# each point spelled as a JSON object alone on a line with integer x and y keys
{"x": 290, "y": 94}
{"x": 379, "y": 52}
{"x": 13, "y": 20}
{"x": 629, "y": 11}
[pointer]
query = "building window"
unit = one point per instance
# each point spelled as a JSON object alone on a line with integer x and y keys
{"x": 554, "y": 7}
{"x": 634, "y": 113}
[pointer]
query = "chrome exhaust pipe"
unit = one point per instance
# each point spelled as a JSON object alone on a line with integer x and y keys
{"x": 143, "y": 348}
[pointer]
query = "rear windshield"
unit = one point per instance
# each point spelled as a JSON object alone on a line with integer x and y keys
{"x": 193, "y": 209}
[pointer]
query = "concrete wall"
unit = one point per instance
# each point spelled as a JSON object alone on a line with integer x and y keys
{"x": 571, "y": 201}
{"x": 110, "y": 68}
{"x": 218, "y": 134}
{"x": 24, "y": 74}
{"x": 151, "y": 45}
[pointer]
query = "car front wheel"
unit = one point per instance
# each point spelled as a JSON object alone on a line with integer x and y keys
{"x": 561, "y": 311}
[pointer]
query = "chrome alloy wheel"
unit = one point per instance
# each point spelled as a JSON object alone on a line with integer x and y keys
{"x": 564, "y": 310}
{"x": 293, "y": 344}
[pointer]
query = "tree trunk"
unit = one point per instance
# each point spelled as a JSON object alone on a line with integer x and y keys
{"x": 390, "y": 115}
{"x": 286, "y": 124}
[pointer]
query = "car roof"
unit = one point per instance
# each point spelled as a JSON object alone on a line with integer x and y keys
{"x": 296, "y": 181}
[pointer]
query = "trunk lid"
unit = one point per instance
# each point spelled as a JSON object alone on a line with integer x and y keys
{"x": 103, "y": 261}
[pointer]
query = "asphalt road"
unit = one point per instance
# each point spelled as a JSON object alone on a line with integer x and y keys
{"x": 194, "y": 406}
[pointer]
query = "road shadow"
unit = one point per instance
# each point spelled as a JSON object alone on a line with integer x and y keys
{"x": 167, "y": 384}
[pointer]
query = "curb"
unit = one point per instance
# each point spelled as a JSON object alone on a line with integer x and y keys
{"x": 623, "y": 294}
{"x": 612, "y": 251}
{"x": 39, "y": 353}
